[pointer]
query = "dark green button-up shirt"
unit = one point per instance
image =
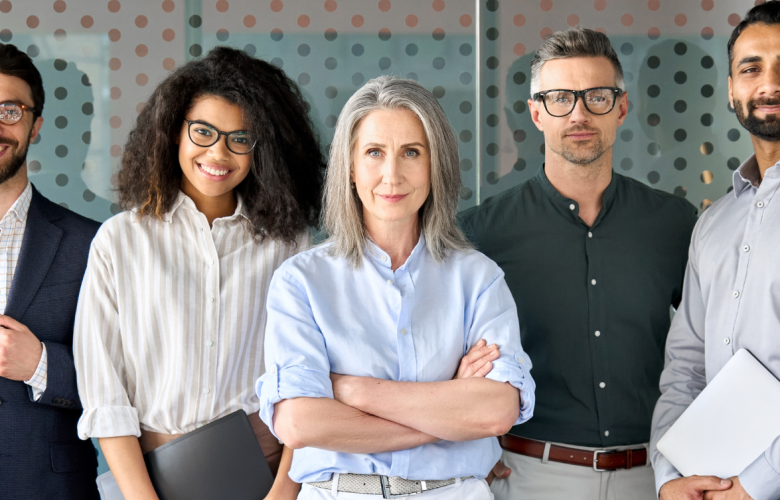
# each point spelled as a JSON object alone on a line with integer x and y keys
{"x": 593, "y": 302}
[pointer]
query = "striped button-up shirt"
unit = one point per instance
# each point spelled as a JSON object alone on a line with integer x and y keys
{"x": 170, "y": 321}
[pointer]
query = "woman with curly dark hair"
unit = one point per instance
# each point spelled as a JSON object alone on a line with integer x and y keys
{"x": 220, "y": 177}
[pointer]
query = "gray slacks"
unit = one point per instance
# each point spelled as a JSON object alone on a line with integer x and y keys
{"x": 533, "y": 480}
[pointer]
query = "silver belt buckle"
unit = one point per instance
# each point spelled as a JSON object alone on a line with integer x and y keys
{"x": 596, "y": 461}
{"x": 385, "y": 483}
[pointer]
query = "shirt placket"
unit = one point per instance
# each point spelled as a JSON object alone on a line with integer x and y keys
{"x": 402, "y": 287}
{"x": 6, "y": 239}
{"x": 758, "y": 207}
{"x": 211, "y": 307}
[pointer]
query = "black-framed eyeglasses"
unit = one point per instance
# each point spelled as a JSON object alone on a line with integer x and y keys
{"x": 561, "y": 102}
{"x": 206, "y": 135}
{"x": 12, "y": 112}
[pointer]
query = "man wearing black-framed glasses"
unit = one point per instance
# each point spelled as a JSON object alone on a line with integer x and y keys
{"x": 43, "y": 254}
{"x": 594, "y": 260}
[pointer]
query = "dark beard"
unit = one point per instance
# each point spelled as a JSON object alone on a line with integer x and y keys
{"x": 14, "y": 164}
{"x": 767, "y": 129}
{"x": 585, "y": 158}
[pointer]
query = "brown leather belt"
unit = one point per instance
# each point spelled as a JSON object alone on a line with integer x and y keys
{"x": 599, "y": 460}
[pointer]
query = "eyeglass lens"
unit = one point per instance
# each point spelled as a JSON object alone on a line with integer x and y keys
{"x": 561, "y": 102}
{"x": 10, "y": 113}
{"x": 237, "y": 142}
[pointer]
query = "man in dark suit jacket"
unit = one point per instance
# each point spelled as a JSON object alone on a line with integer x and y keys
{"x": 43, "y": 255}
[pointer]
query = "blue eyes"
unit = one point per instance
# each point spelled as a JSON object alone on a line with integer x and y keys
{"x": 410, "y": 153}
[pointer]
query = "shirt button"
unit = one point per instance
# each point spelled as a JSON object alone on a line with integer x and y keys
{"x": 403, "y": 331}
{"x": 760, "y": 204}
{"x": 597, "y": 333}
{"x": 211, "y": 299}
{"x": 593, "y": 282}
{"x": 602, "y": 385}
{"x": 746, "y": 248}
{"x": 211, "y": 262}
{"x": 206, "y": 390}
{"x": 209, "y": 343}
{"x": 590, "y": 235}
{"x": 384, "y": 258}
{"x": 572, "y": 207}
{"x": 727, "y": 341}
{"x": 389, "y": 282}
{"x": 273, "y": 369}
{"x": 519, "y": 359}
{"x": 735, "y": 294}
{"x": 606, "y": 433}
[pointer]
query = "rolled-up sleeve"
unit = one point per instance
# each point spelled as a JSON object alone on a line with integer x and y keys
{"x": 683, "y": 377}
{"x": 296, "y": 358}
{"x": 494, "y": 318}
{"x": 98, "y": 353}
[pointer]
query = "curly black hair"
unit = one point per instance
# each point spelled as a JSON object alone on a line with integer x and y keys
{"x": 283, "y": 190}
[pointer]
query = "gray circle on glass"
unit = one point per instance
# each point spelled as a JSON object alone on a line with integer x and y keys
{"x": 707, "y": 119}
{"x": 114, "y": 208}
{"x": 680, "y": 48}
{"x": 626, "y": 49}
{"x": 492, "y": 178}
{"x": 680, "y": 135}
{"x": 250, "y": 49}
{"x": 626, "y": 163}
{"x": 60, "y": 64}
{"x": 438, "y": 63}
{"x": 223, "y": 34}
{"x": 653, "y": 90}
{"x": 411, "y": 49}
{"x": 518, "y": 135}
{"x": 278, "y": 62}
{"x": 492, "y": 91}
{"x": 304, "y": 50}
{"x": 465, "y": 49}
{"x": 653, "y": 120}
{"x": 519, "y": 78}
{"x": 196, "y": 50}
{"x": 626, "y": 135}
{"x": 438, "y": 35}
{"x": 653, "y": 148}
{"x": 465, "y": 107}
{"x": 707, "y": 62}
{"x": 331, "y": 35}
{"x": 331, "y": 63}
{"x": 680, "y": 191}
{"x": 87, "y": 108}
{"x": 438, "y": 91}
{"x": 330, "y": 121}
{"x": 304, "y": 79}
{"x": 276, "y": 34}
{"x": 466, "y": 164}
{"x": 519, "y": 107}
{"x": 88, "y": 195}
{"x": 86, "y": 137}
{"x": 37, "y": 139}
{"x": 412, "y": 76}
{"x": 33, "y": 51}
{"x": 385, "y": 63}
{"x": 653, "y": 62}
{"x": 385, "y": 35}
{"x": 61, "y": 180}
{"x": 628, "y": 76}
{"x": 519, "y": 165}
{"x": 653, "y": 177}
{"x": 358, "y": 49}
{"x": 196, "y": 21}
{"x": 541, "y": 148}
{"x": 466, "y": 193}
{"x": 680, "y": 163}
{"x": 331, "y": 92}
{"x": 60, "y": 93}
{"x": 465, "y": 78}
{"x": 492, "y": 62}
{"x": 492, "y": 33}
{"x": 680, "y": 106}
{"x": 465, "y": 136}
{"x": 6, "y": 35}
{"x": 707, "y": 91}
{"x": 60, "y": 122}
{"x": 733, "y": 163}
{"x": 492, "y": 149}
{"x": 34, "y": 166}
{"x": 492, "y": 5}
{"x": 358, "y": 79}
{"x": 85, "y": 80}
{"x": 61, "y": 151}
{"x": 733, "y": 135}
{"x": 680, "y": 77}
{"x": 491, "y": 120}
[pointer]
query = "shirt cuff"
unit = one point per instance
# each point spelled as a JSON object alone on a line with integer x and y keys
{"x": 664, "y": 472}
{"x": 760, "y": 480}
{"x": 39, "y": 378}
{"x": 515, "y": 373}
{"x": 109, "y": 421}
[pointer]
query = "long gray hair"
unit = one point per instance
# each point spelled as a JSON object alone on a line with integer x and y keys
{"x": 342, "y": 208}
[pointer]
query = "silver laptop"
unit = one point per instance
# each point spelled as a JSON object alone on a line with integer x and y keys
{"x": 730, "y": 424}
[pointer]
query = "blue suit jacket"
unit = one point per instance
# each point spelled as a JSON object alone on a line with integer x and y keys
{"x": 41, "y": 456}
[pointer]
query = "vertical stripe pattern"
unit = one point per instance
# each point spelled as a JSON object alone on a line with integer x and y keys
{"x": 170, "y": 321}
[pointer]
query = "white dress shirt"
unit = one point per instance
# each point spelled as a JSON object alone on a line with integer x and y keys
{"x": 730, "y": 301}
{"x": 170, "y": 321}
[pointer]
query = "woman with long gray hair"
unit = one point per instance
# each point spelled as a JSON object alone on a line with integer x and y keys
{"x": 393, "y": 353}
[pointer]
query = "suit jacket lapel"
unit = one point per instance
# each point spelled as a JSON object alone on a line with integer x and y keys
{"x": 39, "y": 246}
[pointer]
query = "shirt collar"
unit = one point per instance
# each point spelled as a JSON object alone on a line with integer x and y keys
{"x": 184, "y": 201}
{"x": 21, "y": 206}
{"x": 383, "y": 259}
{"x": 565, "y": 204}
{"x": 748, "y": 175}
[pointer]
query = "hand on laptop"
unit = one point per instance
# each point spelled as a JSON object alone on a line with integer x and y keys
{"x": 694, "y": 488}
{"x": 736, "y": 492}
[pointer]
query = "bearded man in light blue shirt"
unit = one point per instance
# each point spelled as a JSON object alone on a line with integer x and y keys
{"x": 391, "y": 304}
{"x": 730, "y": 298}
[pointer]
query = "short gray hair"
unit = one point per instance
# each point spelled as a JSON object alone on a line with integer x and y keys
{"x": 342, "y": 208}
{"x": 575, "y": 42}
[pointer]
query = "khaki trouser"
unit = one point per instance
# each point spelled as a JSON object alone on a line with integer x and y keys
{"x": 533, "y": 480}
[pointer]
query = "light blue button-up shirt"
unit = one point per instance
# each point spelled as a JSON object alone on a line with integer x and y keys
{"x": 731, "y": 300}
{"x": 413, "y": 325}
